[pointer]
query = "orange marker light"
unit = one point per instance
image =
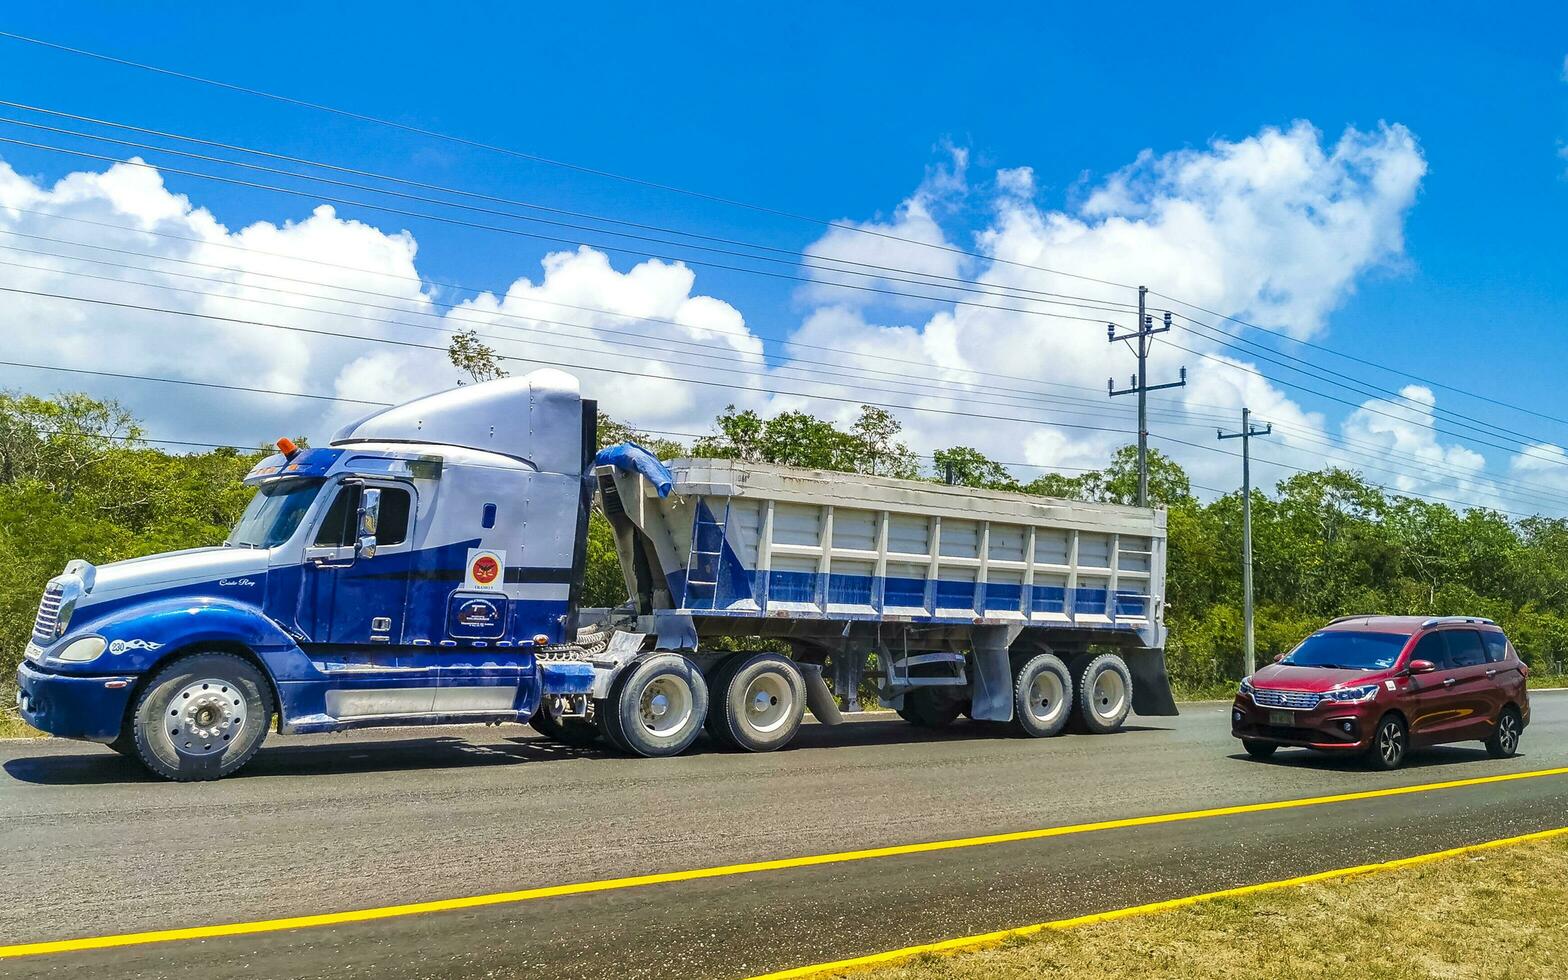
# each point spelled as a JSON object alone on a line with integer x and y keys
{"x": 287, "y": 448}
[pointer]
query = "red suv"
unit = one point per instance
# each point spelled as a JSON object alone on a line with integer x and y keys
{"x": 1381, "y": 685}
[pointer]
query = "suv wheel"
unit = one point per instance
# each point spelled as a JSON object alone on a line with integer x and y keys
{"x": 1390, "y": 742}
{"x": 1504, "y": 741}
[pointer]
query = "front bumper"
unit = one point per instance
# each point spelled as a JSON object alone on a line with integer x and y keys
{"x": 91, "y": 708}
{"x": 1334, "y": 726}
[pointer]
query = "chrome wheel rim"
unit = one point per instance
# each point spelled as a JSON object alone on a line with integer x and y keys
{"x": 1110, "y": 695}
{"x": 1047, "y": 698}
{"x": 1508, "y": 733}
{"x": 767, "y": 703}
{"x": 1391, "y": 743}
{"x": 665, "y": 705}
{"x": 204, "y": 716}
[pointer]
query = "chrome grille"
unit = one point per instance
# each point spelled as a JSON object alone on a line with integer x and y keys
{"x": 1294, "y": 700}
{"x": 48, "y": 616}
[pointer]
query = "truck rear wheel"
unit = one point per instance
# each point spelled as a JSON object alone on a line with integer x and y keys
{"x": 758, "y": 702}
{"x": 201, "y": 717}
{"x": 657, "y": 705}
{"x": 1042, "y": 697}
{"x": 925, "y": 707}
{"x": 1103, "y": 694}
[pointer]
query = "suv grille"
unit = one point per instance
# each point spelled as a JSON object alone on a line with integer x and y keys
{"x": 48, "y": 616}
{"x": 1294, "y": 700}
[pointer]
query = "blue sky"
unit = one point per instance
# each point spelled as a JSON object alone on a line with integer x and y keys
{"x": 838, "y": 111}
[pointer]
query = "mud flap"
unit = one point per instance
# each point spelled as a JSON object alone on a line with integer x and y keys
{"x": 818, "y": 698}
{"x": 1151, "y": 687}
{"x": 991, "y": 686}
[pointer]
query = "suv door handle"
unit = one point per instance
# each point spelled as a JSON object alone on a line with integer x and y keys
{"x": 1450, "y": 681}
{"x": 1491, "y": 672}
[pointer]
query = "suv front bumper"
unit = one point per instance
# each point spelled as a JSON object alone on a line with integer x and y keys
{"x": 1332, "y": 725}
{"x": 91, "y": 708}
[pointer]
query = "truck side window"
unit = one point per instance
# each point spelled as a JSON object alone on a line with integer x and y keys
{"x": 337, "y": 528}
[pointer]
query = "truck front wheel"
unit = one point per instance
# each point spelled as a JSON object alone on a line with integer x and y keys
{"x": 201, "y": 717}
{"x": 657, "y": 706}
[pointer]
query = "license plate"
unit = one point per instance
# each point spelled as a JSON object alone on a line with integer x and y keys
{"x": 33, "y": 652}
{"x": 1284, "y": 718}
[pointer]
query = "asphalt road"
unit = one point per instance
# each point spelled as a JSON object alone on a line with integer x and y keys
{"x": 323, "y": 824}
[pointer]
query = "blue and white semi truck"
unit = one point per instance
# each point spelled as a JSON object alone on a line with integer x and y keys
{"x": 426, "y": 567}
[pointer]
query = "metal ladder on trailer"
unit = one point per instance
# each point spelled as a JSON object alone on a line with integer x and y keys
{"x": 721, "y": 529}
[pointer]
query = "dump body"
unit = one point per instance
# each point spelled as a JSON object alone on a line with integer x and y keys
{"x": 826, "y": 559}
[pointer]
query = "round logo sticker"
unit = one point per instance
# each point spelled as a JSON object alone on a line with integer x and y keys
{"x": 486, "y": 569}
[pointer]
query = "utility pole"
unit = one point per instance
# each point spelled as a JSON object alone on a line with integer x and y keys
{"x": 1140, "y": 383}
{"x": 1245, "y": 435}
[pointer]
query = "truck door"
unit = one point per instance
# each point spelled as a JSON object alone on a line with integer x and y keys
{"x": 359, "y": 599}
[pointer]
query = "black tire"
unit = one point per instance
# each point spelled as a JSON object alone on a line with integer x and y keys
{"x": 1042, "y": 697}
{"x": 718, "y": 680}
{"x": 1102, "y": 694}
{"x": 1504, "y": 740}
{"x": 925, "y": 707}
{"x": 201, "y": 717}
{"x": 1259, "y": 750}
{"x": 760, "y": 702}
{"x": 636, "y": 719}
{"x": 579, "y": 733}
{"x": 1390, "y": 743}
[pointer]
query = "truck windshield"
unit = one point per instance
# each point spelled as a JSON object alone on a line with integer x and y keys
{"x": 1348, "y": 649}
{"x": 274, "y": 513}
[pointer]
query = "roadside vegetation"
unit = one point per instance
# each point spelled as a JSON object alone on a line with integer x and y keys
{"x": 78, "y": 480}
{"x": 1487, "y": 914}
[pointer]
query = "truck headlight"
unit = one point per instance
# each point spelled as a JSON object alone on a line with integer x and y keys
{"x": 1365, "y": 692}
{"x": 88, "y": 648}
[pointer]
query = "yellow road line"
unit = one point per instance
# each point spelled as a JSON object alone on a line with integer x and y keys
{"x": 982, "y": 940}
{"x": 723, "y": 871}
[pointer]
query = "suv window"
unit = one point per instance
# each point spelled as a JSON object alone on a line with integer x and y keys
{"x": 1432, "y": 647}
{"x": 1464, "y": 648}
{"x": 1496, "y": 646}
{"x": 337, "y": 528}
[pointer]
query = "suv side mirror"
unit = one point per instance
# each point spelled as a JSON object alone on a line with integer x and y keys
{"x": 369, "y": 519}
{"x": 1421, "y": 666}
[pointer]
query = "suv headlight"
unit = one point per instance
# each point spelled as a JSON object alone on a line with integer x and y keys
{"x": 1246, "y": 685}
{"x": 1365, "y": 692}
{"x": 88, "y": 648}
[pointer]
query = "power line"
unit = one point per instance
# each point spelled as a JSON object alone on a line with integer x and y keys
{"x": 462, "y": 222}
{"x": 433, "y": 134}
{"x": 797, "y": 258}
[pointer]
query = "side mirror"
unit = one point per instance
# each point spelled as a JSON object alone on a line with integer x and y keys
{"x": 1421, "y": 666}
{"x": 369, "y": 519}
{"x": 1278, "y": 657}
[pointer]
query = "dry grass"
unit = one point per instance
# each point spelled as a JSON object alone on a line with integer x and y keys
{"x": 1494, "y": 914}
{"x": 13, "y": 727}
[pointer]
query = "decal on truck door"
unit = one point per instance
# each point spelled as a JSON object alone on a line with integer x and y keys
{"x": 484, "y": 569}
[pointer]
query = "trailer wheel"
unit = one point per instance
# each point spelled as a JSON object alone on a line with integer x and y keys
{"x": 201, "y": 717}
{"x": 1042, "y": 697}
{"x": 1104, "y": 694}
{"x": 657, "y": 705}
{"x": 718, "y": 680}
{"x": 926, "y": 708}
{"x": 759, "y": 702}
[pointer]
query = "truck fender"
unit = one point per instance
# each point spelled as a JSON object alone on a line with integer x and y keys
{"x": 141, "y": 635}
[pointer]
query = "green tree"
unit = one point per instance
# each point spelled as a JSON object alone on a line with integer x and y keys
{"x": 969, "y": 467}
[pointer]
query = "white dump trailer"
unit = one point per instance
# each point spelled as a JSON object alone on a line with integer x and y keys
{"x": 999, "y": 606}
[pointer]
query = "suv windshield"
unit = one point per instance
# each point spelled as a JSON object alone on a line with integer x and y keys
{"x": 274, "y": 513}
{"x": 1348, "y": 649}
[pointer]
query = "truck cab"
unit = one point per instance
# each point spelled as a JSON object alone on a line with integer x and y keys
{"x": 410, "y": 572}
